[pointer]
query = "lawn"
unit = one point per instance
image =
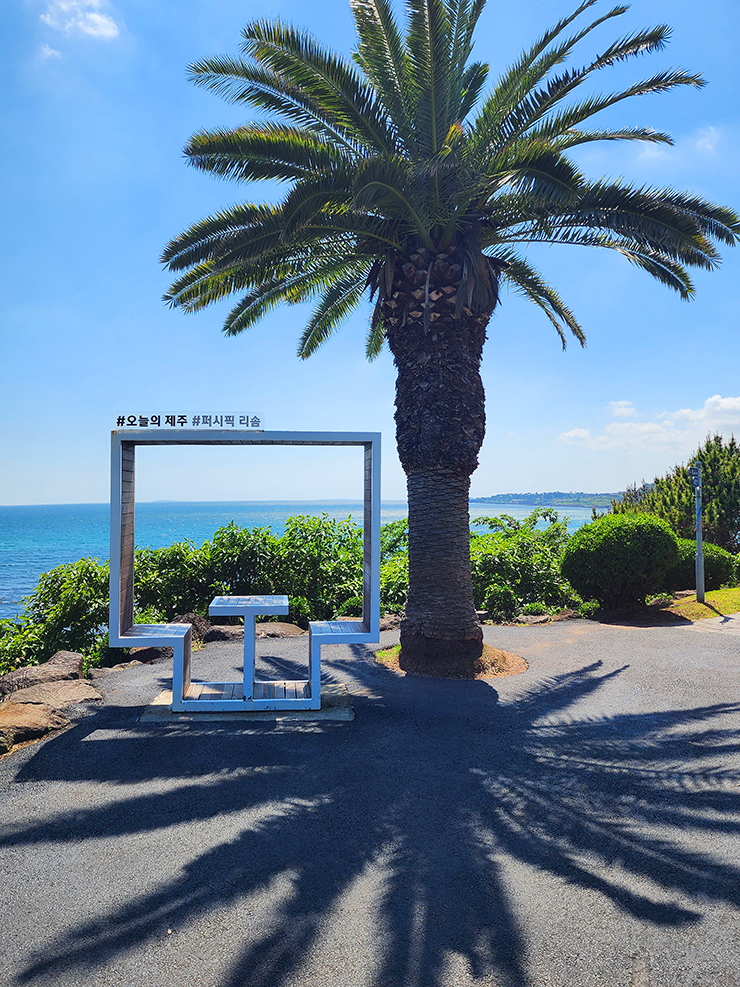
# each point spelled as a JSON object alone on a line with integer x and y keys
{"x": 718, "y": 603}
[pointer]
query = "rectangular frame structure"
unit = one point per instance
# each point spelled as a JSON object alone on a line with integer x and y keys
{"x": 124, "y": 632}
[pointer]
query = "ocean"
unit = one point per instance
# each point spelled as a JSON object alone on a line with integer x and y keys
{"x": 36, "y": 539}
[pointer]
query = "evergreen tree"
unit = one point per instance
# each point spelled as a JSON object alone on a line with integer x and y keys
{"x": 672, "y": 497}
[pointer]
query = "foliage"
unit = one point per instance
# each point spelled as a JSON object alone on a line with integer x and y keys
{"x": 68, "y": 611}
{"x": 173, "y": 580}
{"x": 400, "y": 149}
{"x": 672, "y": 498}
{"x": 394, "y": 583}
{"x": 394, "y": 538}
{"x": 516, "y": 563}
{"x": 620, "y": 558}
{"x": 719, "y": 567}
{"x": 320, "y": 561}
{"x": 394, "y": 565}
{"x": 317, "y": 562}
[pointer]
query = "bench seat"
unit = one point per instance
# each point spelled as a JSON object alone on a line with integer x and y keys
{"x": 179, "y": 637}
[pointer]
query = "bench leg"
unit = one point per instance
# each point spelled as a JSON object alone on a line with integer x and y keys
{"x": 181, "y": 669}
{"x": 314, "y": 669}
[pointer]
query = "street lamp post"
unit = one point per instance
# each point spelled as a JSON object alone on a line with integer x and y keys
{"x": 695, "y": 474}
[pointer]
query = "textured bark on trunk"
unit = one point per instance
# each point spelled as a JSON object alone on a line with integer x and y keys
{"x": 440, "y": 424}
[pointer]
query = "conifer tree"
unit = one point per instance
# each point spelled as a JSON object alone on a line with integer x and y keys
{"x": 672, "y": 497}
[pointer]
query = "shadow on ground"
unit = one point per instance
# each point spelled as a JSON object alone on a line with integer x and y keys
{"x": 431, "y": 786}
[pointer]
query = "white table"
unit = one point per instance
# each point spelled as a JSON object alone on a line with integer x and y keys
{"x": 248, "y": 607}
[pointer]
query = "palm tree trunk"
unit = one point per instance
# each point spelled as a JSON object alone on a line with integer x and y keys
{"x": 440, "y": 424}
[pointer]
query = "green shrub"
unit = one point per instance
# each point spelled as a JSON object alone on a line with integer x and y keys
{"x": 620, "y": 558}
{"x": 320, "y": 559}
{"x": 394, "y": 538}
{"x": 516, "y": 563}
{"x": 501, "y": 603}
{"x": 68, "y": 611}
{"x": 672, "y": 497}
{"x": 176, "y": 579}
{"x": 719, "y": 567}
{"x": 394, "y": 583}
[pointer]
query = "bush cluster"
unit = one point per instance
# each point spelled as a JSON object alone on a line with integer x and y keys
{"x": 671, "y": 497}
{"x": 516, "y": 564}
{"x": 621, "y": 558}
{"x": 719, "y": 567}
{"x": 529, "y": 566}
{"x": 317, "y": 562}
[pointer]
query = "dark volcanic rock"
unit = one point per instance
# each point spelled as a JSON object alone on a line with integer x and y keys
{"x": 199, "y": 624}
{"x": 58, "y": 695}
{"x": 278, "y": 628}
{"x": 224, "y": 632}
{"x": 147, "y": 655}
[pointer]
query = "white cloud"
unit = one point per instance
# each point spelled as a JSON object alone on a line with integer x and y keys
{"x": 80, "y": 15}
{"x": 706, "y": 140}
{"x": 47, "y": 52}
{"x": 679, "y": 432}
{"x": 703, "y": 144}
{"x": 622, "y": 409}
{"x": 575, "y": 435}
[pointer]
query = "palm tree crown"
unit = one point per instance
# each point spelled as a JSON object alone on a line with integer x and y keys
{"x": 396, "y": 150}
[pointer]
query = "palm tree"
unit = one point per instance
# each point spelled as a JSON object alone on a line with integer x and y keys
{"x": 408, "y": 184}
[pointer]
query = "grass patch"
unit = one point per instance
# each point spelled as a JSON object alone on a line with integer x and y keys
{"x": 388, "y": 654}
{"x": 718, "y": 603}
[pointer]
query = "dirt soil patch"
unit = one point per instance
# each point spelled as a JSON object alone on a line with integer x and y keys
{"x": 493, "y": 663}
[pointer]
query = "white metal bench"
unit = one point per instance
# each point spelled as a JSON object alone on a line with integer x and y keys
{"x": 193, "y": 696}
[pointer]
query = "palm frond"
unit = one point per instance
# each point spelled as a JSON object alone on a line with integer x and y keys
{"x": 538, "y": 171}
{"x": 527, "y": 282}
{"x": 326, "y": 192}
{"x": 427, "y": 43}
{"x": 471, "y": 85}
{"x": 241, "y": 82}
{"x": 298, "y": 59}
{"x": 337, "y": 302}
{"x": 575, "y": 137}
{"x": 201, "y": 240}
{"x": 381, "y": 55}
{"x": 381, "y": 185}
{"x": 254, "y": 153}
{"x": 376, "y": 334}
{"x": 519, "y": 81}
{"x": 573, "y": 115}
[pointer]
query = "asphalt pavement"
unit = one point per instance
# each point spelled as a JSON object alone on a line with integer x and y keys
{"x": 573, "y": 826}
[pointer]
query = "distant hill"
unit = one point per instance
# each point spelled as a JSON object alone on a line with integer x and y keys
{"x": 555, "y": 498}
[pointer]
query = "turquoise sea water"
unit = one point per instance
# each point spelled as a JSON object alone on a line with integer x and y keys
{"x": 36, "y": 539}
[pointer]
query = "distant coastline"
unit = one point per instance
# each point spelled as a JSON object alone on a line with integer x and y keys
{"x": 555, "y": 498}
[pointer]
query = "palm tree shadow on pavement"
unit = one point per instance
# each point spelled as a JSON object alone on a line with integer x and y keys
{"x": 402, "y": 818}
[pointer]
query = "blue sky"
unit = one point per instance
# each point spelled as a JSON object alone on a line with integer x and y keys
{"x": 96, "y": 109}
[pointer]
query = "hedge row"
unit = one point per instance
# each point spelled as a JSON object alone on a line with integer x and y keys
{"x": 517, "y": 566}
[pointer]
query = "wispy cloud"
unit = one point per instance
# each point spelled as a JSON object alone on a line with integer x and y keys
{"x": 622, "y": 409}
{"x": 86, "y": 16}
{"x": 680, "y": 431}
{"x": 47, "y": 52}
{"x": 704, "y": 143}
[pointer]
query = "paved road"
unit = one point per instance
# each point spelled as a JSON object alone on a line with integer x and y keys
{"x": 573, "y": 826}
